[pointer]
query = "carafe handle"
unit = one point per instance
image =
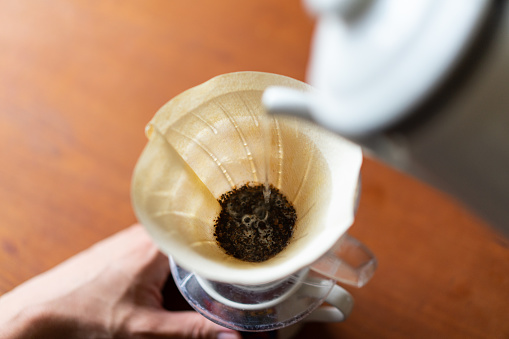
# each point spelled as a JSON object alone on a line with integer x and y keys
{"x": 341, "y": 306}
{"x": 348, "y": 261}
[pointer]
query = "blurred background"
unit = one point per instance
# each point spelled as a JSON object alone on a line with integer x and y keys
{"x": 80, "y": 79}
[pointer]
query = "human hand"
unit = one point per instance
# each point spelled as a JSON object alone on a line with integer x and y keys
{"x": 111, "y": 290}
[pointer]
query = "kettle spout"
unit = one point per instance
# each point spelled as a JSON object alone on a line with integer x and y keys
{"x": 311, "y": 105}
{"x": 287, "y": 101}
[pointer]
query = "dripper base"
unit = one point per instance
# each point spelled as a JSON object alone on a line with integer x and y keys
{"x": 253, "y": 308}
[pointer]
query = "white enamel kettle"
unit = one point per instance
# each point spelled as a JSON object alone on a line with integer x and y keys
{"x": 420, "y": 84}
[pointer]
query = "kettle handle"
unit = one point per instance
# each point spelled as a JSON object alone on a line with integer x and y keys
{"x": 348, "y": 261}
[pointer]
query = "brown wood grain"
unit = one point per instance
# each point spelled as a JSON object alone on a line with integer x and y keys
{"x": 80, "y": 79}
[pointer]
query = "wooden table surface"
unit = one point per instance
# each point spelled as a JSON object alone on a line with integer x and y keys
{"x": 80, "y": 79}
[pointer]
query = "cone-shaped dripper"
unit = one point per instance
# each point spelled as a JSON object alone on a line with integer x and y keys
{"x": 212, "y": 139}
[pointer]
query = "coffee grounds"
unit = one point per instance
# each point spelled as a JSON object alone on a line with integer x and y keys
{"x": 250, "y": 229}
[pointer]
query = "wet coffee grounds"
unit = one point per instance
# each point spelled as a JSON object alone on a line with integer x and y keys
{"x": 250, "y": 229}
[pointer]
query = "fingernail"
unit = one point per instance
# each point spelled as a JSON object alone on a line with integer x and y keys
{"x": 228, "y": 335}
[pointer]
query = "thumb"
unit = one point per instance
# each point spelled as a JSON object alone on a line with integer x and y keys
{"x": 186, "y": 324}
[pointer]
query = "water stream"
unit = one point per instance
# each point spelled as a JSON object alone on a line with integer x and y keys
{"x": 267, "y": 146}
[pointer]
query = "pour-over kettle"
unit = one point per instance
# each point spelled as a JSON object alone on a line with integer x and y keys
{"x": 421, "y": 85}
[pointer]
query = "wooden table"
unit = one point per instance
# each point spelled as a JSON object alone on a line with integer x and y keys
{"x": 80, "y": 79}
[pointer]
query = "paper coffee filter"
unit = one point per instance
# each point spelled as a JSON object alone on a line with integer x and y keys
{"x": 211, "y": 139}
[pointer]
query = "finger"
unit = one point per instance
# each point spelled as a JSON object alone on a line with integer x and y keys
{"x": 142, "y": 257}
{"x": 158, "y": 263}
{"x": 157, "y": 269}
{"x": 187, "y": 324}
